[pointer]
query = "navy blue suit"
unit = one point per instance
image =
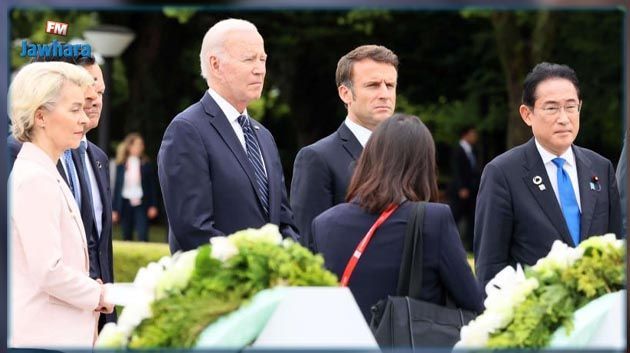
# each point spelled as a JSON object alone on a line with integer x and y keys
{"x": 517, "y": 222}
{"x": 321, "y": 176}
{"x": 99, "y": 245}
{"x": 338, "y": 231}
{"x": 208, "y": 183}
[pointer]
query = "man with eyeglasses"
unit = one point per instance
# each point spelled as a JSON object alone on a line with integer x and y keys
{"x": 546, "y": 189}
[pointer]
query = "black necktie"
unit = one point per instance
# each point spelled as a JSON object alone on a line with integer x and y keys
{"x": 255, "y": 158}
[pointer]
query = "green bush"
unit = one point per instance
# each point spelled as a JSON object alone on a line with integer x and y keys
{"x": 130, "y": 256}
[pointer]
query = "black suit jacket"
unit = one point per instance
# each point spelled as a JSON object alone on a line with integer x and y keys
{"x": 208, "y": 183}
{"x": 517, "y": 222}
{"x": 321, "y": 176}
{"x": 338, "y": 231}
{"x": 464, "y": 174}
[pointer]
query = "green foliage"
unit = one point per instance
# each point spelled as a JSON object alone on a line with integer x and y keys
{"x": 217, "y": 288}
{"x": 130, "y": 256}
{"x": 182, "y": 14}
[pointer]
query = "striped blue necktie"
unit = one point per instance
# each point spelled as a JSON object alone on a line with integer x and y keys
{"x": 73, "y": 180}
{"x": 568, "y": 202}
{"x": 255, "y": 158}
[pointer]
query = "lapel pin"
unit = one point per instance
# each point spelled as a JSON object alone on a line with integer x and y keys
{"x": 537, "y": 180}
{"x": 256, "y": 127}
{"x": 542, "y": 187}
{"x": 595, "y": 183}
{"x": 98, "y": 164}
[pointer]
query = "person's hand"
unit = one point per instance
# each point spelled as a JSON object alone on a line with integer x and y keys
{"x": 463, "y": 193}
{"x": 115, "y": 217}
{"x": 152, "y": 212}
{"x": 103, "y": 306}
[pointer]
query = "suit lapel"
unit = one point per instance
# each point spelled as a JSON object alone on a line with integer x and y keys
{"x": 587, "y": 196}
{"x": 101, "y": 182}
{"x": 349, "y": 142}
{"x": 546, "y": 198}
{"x": 220, "y": 122}
{"x": 87, "y": 212}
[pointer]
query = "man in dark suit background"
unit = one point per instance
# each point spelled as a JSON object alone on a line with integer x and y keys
{"x": 546, "y": 189}
{"x": 90, "y": 164}
{"x": 219, "y": 170}
{"x": 366, "y": 81}
{"x": 465, "y": 182}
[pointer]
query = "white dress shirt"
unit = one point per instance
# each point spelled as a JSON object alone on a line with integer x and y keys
{"x": 361, "y": 133}
{"x": 552, "y": 171}
{"x": 232, "y": 115}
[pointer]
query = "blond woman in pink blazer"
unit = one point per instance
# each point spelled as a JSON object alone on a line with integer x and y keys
{"x": 53, "y": 301}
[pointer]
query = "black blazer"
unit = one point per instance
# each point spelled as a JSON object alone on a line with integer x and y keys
{"x": 321, "y": 176}
{"x": 464, "y": 174}
{"x": 338, "y": 231}
{"x": 208, "y": 183}
{"x": 517, "y": 222}
{"x": 149, "y": 186}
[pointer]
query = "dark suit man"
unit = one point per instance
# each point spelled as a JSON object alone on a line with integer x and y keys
{"x": 465, "y": 183}
{"x": 546, "y": 189}
{"x": 366, "y": 81}
{"x": 219, "y": 169}
{"x": 622, "y": 182}
{"x": 91, "y": 165}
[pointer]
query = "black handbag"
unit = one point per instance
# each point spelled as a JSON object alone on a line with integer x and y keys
{"x": 402, "y": 321}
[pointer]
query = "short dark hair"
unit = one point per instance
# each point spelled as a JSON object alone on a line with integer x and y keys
{"x": 465, "y": 129}
{"x": 397, "y": 163}
{"x": 545, "y": 71}
{"x": 378, "y": 53}
{"x": 81, "y": 59}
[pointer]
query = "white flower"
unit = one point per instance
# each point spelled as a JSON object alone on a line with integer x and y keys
{"x": 111, "y": 336}
{"x": 178, "y": 275}
{"x": 133, "y": 314}
{"x": 223, "y": 248}
{"x": 560, "y": 257}
{"x": 148, "y": 277}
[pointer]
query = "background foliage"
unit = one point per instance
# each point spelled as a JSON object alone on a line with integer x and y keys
{"x": 457, "y": 67}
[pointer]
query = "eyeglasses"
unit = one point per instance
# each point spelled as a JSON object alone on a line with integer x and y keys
{"x": 553, "y": 110}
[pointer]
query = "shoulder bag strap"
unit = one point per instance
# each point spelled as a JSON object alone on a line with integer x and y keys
{"x": 352, "y": 263}
{"x": 410, "y": 275}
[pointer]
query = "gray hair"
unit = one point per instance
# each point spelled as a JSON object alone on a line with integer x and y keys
{"x": 214, "y": 40}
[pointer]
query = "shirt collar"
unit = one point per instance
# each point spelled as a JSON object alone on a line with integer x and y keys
{"x": 548, "y": 156}
{"x": 361, "y": 133}
{"x": 228, "y": 109}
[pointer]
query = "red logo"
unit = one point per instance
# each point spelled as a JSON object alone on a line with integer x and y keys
{"x": 57, "y": 28}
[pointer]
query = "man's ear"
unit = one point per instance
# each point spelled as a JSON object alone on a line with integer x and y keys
{"x": 345, "y": 94}
{"x": 526, "y": 114}
{"x": 214, "y": 63}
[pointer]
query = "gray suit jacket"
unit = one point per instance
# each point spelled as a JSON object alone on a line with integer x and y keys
{"x": 517, "y": 222}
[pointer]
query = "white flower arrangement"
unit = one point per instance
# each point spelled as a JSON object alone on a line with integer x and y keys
{"x": 171, "y": 275}
{"x": 510, "y": 287}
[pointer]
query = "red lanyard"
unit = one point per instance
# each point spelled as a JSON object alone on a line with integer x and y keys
{"x": 352, "y": 263}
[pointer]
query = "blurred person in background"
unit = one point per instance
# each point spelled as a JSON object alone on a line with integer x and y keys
{"x": 135, "y": 189}
{"x": 465, "y": 183}
{"x": 397, "y": 168}
{"x": 53, "y": 300}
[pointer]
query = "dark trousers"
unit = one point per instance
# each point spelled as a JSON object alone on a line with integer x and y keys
{"x": 464, "y": 210}
{"x": 134, "y": 217}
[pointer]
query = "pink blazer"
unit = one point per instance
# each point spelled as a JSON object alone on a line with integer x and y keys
{"x": 52, "y": 298}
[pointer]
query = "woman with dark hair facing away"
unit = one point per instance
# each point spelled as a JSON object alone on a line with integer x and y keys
{"x": 396, "y": 169}
{"x": 135, "y": 190}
